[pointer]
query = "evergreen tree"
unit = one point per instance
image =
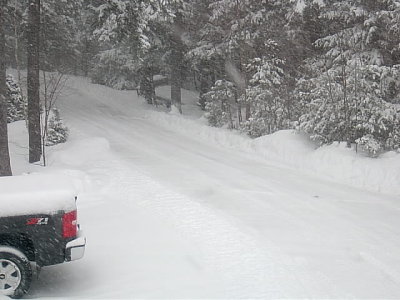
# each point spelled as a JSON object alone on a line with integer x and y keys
{"x": 117, "y": 27}
{"x": 205, "y": 59}
{"x": 351, "y": 85}
{"x": 16, "y": 34}
{"x": 59, "y": 35}
{"x": 57, "y": 132}
{"x": 238, "y": 36}
{"x": 221, "y": 104}
{"x": 331, "y": 67}
{"x": 266, "y": 96}
{"x": 16, "y": 103}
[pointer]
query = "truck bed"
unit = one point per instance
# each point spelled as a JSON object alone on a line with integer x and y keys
{"x": 35, "y": 194}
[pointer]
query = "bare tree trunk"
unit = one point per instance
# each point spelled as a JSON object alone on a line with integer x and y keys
{"x": 33, "y": 82}
{"x": 52, "y": 87}
{"x": 5, "y": 166}
{"x": 46, "y": 119}
{"x": 147, "y": 87}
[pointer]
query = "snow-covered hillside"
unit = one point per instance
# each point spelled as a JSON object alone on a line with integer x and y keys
{"x": 175, "y": 209}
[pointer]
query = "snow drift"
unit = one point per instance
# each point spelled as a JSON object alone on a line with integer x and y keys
{"x": 293, "y": 149}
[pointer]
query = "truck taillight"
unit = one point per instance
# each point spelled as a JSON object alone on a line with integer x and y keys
{"x": 69, "y": 224}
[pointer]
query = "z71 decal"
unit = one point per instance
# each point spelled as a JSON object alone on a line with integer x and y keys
{"x": 37, "y": 221}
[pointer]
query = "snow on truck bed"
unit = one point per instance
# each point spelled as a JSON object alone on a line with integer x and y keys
{"x": 35, "y": 194}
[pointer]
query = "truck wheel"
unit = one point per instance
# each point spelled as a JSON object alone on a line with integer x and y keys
{"x": 15, "y": 272}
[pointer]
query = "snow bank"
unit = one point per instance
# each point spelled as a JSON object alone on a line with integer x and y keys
{"x": 33, "y": 194}
{"x": 335, "y": 161}
{"x": 80, "y": 151}
{"x": 295, "y": 150}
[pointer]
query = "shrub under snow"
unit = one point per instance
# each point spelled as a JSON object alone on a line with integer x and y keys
{"x": 57, "y": 132}
{"x": 16, "y": 104}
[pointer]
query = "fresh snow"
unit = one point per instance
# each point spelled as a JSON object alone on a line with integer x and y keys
{"x": 173, "y": 208}
{"x": 289, "y": 148}
{"x": 32, "y": 194}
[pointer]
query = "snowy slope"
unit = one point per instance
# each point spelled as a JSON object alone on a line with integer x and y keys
{"x": 289, "y": 148}
{"x": 168, "y": 214}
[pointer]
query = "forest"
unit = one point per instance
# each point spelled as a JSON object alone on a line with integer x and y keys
{"x": 329, "y": 68}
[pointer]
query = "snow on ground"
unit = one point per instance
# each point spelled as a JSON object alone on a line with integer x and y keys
{"x": 175, "y": 209}
{"x": 287, "y": 147}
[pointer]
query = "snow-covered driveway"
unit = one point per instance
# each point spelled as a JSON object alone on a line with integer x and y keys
{"x": 169, "y": 214}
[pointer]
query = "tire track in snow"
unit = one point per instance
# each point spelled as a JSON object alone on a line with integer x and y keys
{"x": 251, "y": 269}
{"x": 247, "y": 268}
{"x": 254, "y": 266}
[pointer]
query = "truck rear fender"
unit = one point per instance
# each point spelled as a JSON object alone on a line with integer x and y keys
{"x": 20, "y": 241}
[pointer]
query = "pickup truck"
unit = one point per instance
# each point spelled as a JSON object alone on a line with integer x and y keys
{"x": 38, "y": 227}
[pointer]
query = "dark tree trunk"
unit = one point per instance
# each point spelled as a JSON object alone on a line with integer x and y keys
{"x": 205, "y": 83}
{"x": 33, "y": 82}
{"x": 5, "y": 166}
{"x": 147, "y": 88}
{"x": 176, "y": 62}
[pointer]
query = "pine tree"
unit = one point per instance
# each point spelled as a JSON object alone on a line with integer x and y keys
{"x": 170, "y": 17}
{"x": 57, "y": 132}
{"x": 266, "y": 97}
{"x": 205, "y": 58}
{"x": 59, "y": 35}
{"x": 16, "y": 35}
{"x": 221, "y": 104}
{"x": 351, "y": 85}
{"x": 16, "y": 103}
{"x": 238, "y": 36}
{"x": 117, "y": 28}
